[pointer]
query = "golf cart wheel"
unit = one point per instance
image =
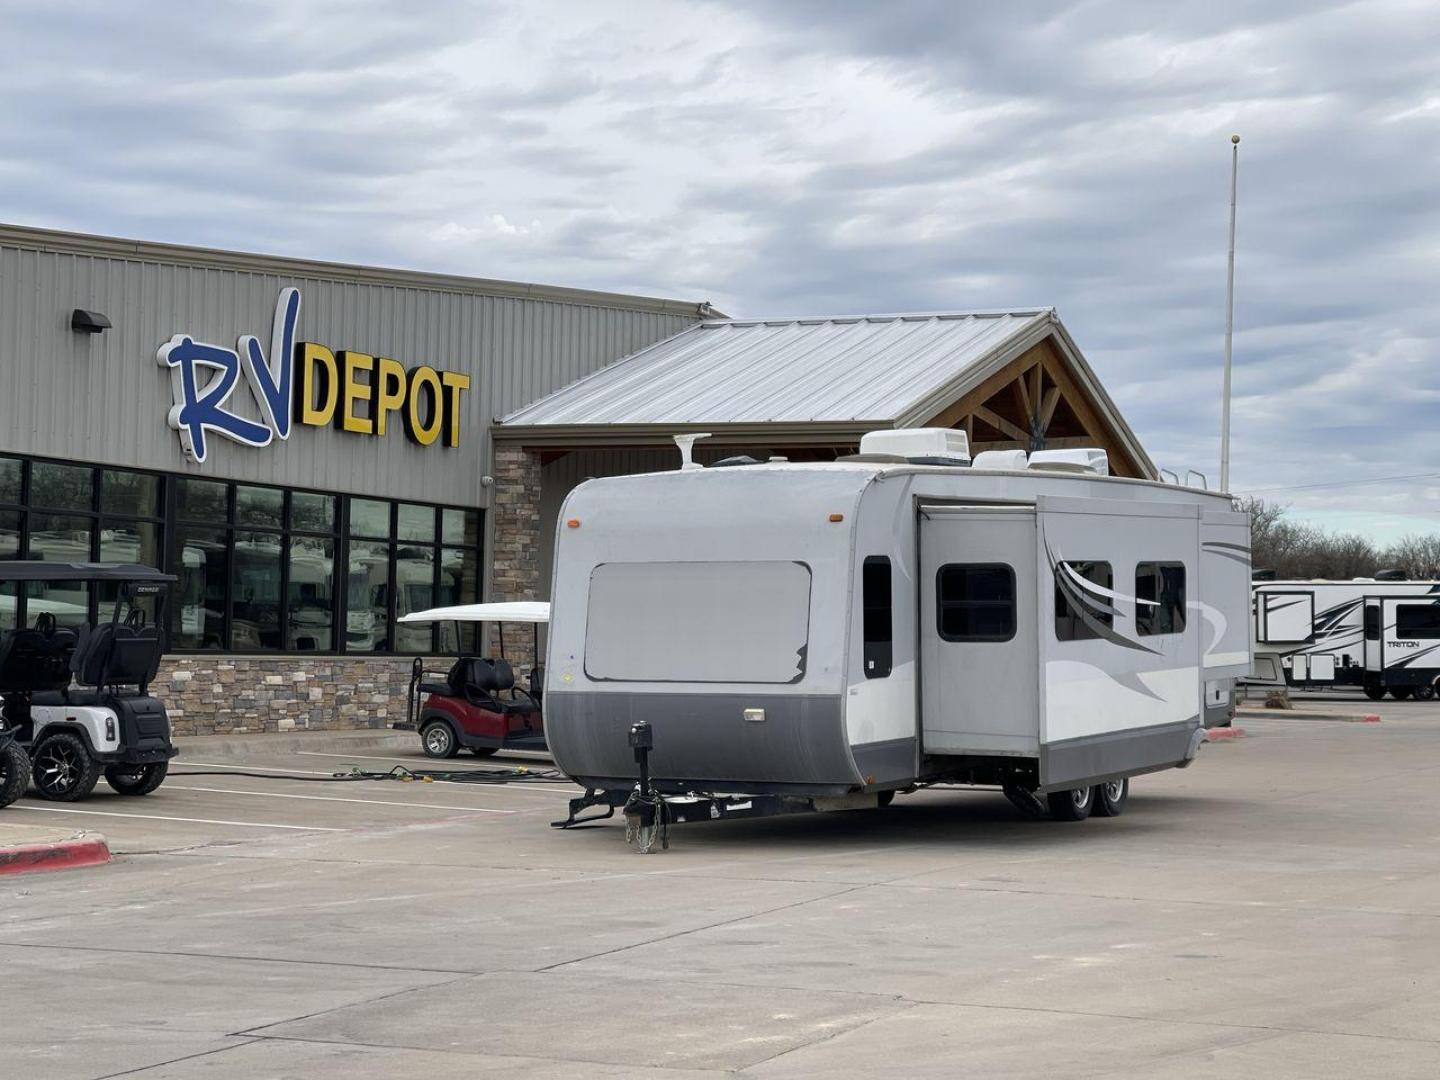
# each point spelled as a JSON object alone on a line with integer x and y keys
{"x": 63, "y": 769}
{"x": 1109, "y": 798}
{"x": 1373, "y": 692}
{"x": 14, "y": 772}
{"x": 1425, "y": 692}
{"x": 484, "y": 751}
{"x": 1402, "y": 693}
{"x": 136, "y": 779}
{"x": 1071, "y": 805}
{"x": 437, "y": 739}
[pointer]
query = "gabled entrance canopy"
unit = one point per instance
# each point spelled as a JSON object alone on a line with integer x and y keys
{"x": 1010, "y": 379}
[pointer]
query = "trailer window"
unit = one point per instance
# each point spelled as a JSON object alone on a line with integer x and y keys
{"x": 1417, "y": 620}
{"x": 1159, "y": 598}
{"x": 875, "y": 599}
{"x": 727, "y": 622}
{"x": 975, "y": 602}
{"x": 1080, "y": 609}
{"x": 1372, "y": 622}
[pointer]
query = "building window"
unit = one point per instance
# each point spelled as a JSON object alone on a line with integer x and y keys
{"x": 975, "y": 602}
{"x": 1159, "y": 598}
{"x": 1417, "y": 621}
{"x": 1079, "y": 619}
{"x": 875, "y": 598}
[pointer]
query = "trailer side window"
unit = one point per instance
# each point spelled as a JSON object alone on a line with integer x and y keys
{"x": 875, "y": 600}
{"x": 975, "y": 602}
{"x": 1079, "y": 609}
{"x": 1372, "y": 622}
{"x": 1417, "y": 620}
{"x": 1159, "y": 598}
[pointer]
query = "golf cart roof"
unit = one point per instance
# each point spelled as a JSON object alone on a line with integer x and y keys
{"x": 34, "y": 570}
{"x": 530, "y": 611}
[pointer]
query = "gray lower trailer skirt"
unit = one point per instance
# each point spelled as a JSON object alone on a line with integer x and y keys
{"x": 1092, "y": 758}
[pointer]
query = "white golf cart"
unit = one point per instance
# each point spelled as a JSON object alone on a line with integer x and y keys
{"x": 75, "y": 702}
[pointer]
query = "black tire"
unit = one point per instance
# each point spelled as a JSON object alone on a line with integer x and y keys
{"x": 484, "y": 751}
{"x": 1425, "y": 692}
{"x": 884, "y": 798}
{"x": 62, "y": 768}
{"x": 1109, "y": 799}
{"x": 437, "y": 739}
{"x": 1373, "y": 692}
{"x": 14, "y": 772}
{"x": 1402, "y": 693}
{"x": 1072, "y": 805}
{"x": 136, "y": 779}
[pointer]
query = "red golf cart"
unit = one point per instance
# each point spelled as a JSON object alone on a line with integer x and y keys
{"x": 476, "y": 704}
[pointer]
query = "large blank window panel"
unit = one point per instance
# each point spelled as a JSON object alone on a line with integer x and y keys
{"x": 1287, "y": 616}
{"x": 736, "y": 622}
{"x": 1417, "y": 621}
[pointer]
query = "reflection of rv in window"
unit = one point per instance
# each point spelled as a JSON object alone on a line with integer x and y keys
{"x": 368, "y": 595}
{"x": 1368, "y": 634}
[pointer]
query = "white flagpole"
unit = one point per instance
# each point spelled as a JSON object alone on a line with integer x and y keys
{"x": 1229, "y": 322}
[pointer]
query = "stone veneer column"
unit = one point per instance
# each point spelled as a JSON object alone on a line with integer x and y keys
{"x": 515, "y": 516}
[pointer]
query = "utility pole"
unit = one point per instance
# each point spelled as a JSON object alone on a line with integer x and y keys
{"x": 1229, "y": 322}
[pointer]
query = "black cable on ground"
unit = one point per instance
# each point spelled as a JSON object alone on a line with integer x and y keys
{"x": 402, "y": 774}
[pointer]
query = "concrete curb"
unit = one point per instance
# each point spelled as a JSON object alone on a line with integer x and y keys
{"x": 87, "y": 849}
{"x": 1300, "y": 714}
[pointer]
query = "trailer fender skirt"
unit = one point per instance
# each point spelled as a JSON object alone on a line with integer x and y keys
{"x": 1197, "y": 737}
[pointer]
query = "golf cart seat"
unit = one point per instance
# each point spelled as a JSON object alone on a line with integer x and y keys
{"x": 36, "y": 658}
{"x": 111, "y": 655}
{"x": 490, "y": 684}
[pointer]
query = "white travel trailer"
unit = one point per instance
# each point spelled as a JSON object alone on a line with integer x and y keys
{"x": 1369, "y": 634}
{"x": 834, "y": 633}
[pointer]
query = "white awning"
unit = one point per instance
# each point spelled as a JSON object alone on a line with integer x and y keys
{"x": 525, "y": 611}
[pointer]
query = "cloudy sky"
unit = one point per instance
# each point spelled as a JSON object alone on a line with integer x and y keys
{"x": 822, "y": 157}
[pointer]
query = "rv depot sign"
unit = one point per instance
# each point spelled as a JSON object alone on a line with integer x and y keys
{"x": 304, "y": 382}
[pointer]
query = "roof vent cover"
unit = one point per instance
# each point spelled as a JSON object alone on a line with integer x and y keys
{"x": 1087, "y": 460}
{"x": 923, "y": 446}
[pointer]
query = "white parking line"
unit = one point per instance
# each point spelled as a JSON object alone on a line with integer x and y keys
{"x": 333, "y": 798}
{"x": 162, "y": 817}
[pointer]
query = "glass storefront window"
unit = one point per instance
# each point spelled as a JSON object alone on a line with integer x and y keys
{"x": 312, "y": 512}
{"x": 130, "y": 494}
{"x": 10, "y": 523}
{"x": 129, "y": 542}
{"x": 255, "y": 592}
{"x": 311, "y": 625}
{"x": 459, "y": 584}
{"x": 460, "y": 527}
{"x": 416, "y": 523}
{"x": 197, "y": 600}
{"x": 367, "y": 597}
{"x": 61, "y": 487}
{"x": 60, "y": 537}
{"x": 370, "y": 517}
{"x": 259, "y": 506}
{"x": 10, "y": 469}
{"x": 414, "y": 591}
{"x": 201, "y": 500}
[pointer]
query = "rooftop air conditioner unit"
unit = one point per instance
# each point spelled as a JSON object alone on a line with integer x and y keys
{"x": 1087, "y": 460}
{"x": 922, "y": 446}
{"x": 1010, "y": 460}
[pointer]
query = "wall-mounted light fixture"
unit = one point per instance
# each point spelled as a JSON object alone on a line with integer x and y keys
{"x": 88, "y": 322}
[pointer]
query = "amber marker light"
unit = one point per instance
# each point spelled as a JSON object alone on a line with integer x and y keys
{"x": 572, "y": 523}
{"x": 837, "y": 517}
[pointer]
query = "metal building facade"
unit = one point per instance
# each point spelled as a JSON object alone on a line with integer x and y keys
{"x": 103, "y": 398}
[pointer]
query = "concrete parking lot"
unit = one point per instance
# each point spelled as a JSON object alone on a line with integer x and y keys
{"x": 1272, "y": 912}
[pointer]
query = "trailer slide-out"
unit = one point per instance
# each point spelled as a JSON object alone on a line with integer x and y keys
{"x": 826, "y": 635}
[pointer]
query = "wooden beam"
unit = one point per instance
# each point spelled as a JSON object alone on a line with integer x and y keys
{"x": 1047, "y": 406}
{"x": 949, "y": 416}
{"x": 1027, "y": 410}
{"x": 1036, "y": 374}
{"x": 1122, "y": 464}
{"x": 999, "y": 423}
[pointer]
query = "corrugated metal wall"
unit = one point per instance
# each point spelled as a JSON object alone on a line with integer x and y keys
{"x": 103, "y": 398}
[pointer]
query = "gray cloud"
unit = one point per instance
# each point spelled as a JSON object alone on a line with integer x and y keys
{"x": 822, "y": 156}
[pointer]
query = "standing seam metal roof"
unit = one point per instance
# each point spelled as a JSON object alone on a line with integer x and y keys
{"x": 874, "y": 367}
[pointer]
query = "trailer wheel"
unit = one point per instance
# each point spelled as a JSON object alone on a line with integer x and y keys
{"x": 1374, "y": 692}
{"x": 14, "y": 772}
{"x": 437, "y": 739}
{"x": 484, "y": 751}
{"x": 63, "y": 769}
{"x": 136, "y": 779}
{"x": 1072, "y": 805}
{"x": 1402, "y": 693}
{"x": 1425, "y": 692}
{"x": 1109, "y": 799}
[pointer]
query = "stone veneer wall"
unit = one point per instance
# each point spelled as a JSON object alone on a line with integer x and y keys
{"x": 233, "y": 695}
{"x": 516, "y": 544}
